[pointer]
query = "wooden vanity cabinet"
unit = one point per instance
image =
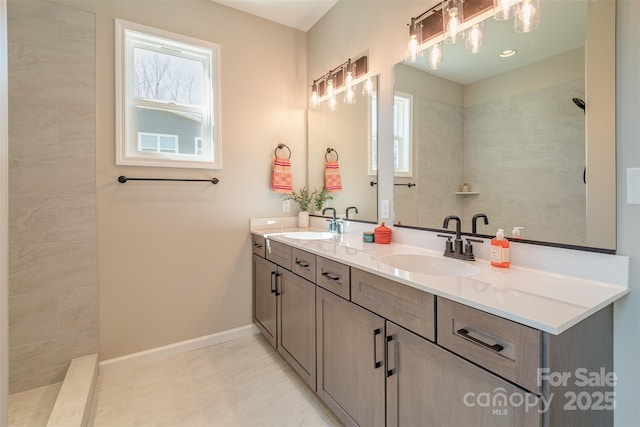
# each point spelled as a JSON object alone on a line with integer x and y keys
{"x": 284, "y": 309}
{"x": 430, "y": 387}
{"x": 351, "y": 360}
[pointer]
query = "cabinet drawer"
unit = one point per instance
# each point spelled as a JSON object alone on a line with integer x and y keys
{"x": 258, "y": 245}
{"x": 409, "y": 307}
{"x": 507, "y": 348}
{"x": 303, "y": 264}
{"x": 280, "y": 253}
{"x": 333, "y": 276}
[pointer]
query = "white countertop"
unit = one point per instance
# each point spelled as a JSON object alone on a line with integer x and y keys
{"x": 546, "y": 301}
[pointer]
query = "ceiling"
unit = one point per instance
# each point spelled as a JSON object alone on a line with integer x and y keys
{"x": 300, "y": 14}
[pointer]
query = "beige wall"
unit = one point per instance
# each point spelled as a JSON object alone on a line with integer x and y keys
{"x": 53, "y": 311}
{"x": 4, "y": 220}
{"x": 173, "y": 258}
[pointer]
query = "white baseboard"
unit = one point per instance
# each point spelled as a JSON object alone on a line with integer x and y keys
{"x": 135, "y": 359}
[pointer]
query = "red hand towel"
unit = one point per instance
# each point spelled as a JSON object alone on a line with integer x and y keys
{"x": 281, "y": 179}
{"x": 332, "y": 179}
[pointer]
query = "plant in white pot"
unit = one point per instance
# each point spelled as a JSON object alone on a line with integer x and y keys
{"x": 320, "y": 198}
{"x": 303, "y": 198}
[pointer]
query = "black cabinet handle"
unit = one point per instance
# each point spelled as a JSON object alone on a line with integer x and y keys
{"x": 465, "y": 334}
{"x": 278, "y": 276}
{"x": 302, "y": 263}
{"x": 376, "y": 363}
{"x": 331, "y": 276}
{"x": 257, "y": 245}
{"x": 273, "y": 274}
{"x": 389, "y": 371}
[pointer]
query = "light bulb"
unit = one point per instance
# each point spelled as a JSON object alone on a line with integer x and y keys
{"x": 475, "y": 39}
{"x": 330, "y": 87}
{"x": 413, "y": 48}
{"x": 434, "y": 56}
{"x": 528, "y": 16}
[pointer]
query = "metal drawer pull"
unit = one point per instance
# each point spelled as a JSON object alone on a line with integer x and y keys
{"x": 376, "y": 363}
{"x": 273, "y": 273}
{"x": 302, "y": 263}
{"x": 391, "y": 371}
{"x": 278, "y": 275}
{"x": 495, "y": 347}
{"x": 331, "y": 276}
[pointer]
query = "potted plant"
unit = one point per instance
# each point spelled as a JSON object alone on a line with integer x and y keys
{"x": 303, "y": 198}
{"x": 320, "y": 197}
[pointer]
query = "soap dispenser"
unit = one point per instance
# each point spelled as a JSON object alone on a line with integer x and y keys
{"x": 500, "y": 255}
{"x": 515, "y": 233}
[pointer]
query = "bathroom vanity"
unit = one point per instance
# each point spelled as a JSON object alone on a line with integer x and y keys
{"x": 391, "y": 335}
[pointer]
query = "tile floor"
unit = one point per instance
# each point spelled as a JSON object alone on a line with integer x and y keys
{"x": 32, "y": 408}
{"x": 243, "y": 382}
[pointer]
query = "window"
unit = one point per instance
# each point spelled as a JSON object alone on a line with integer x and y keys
{"x": 402, "y": 123}
{"x": 167, "y": 99}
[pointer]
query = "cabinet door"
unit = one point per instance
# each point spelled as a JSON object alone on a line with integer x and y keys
{"x": 264, "y": 297}
{"x": 429, "y": 386}
{"x": 297, "y": 324}
{"x": 351, "y": 364}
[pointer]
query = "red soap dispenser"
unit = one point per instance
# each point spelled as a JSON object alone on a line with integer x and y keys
{"x": 500, "y": 255}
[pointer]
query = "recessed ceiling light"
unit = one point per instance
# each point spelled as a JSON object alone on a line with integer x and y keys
{"x": 507, "y": 53}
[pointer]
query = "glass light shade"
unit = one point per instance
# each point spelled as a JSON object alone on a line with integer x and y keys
{"x": 367, "y": 87}
{"x": 313, "y": 98}
{"x": 504, "y": 9}
{"x": 350, "y": 96}
{"x": 452, "y": 19}
{"x": 415, "y": 32}
{"x": 528, "y": 16}
{"x": 434, "y": 56}
{"x": 474, "y": 41}
{"x": 330, "y": 85}
{"x": 332, "y": 103}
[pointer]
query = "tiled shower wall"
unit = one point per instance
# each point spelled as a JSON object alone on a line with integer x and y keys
{"x": 53, "y": 311}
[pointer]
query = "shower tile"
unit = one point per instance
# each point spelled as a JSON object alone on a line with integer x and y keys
{"x": 33, "y": 23}
{"x": 78, "y": 311}
{"x": 51, "y": 266}
{"x": 33, "y": 121}
{"x": 75, "y": 78}
{"x": 32, "y": 70}
{"x": 76, "y": 31}
{"x": 77, "y": 218}
{"x": 76, "y": 170}
{"x": 32, "y": 219}
{"x": 33, "y": 318}
{"x": 32, "y": 170}
{"x": 77, "y": 123}
{"x": 32, "y": 408}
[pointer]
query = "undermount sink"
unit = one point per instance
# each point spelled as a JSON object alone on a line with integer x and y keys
{"x": 429, "y": 265}
{"x": 309, "y": 235}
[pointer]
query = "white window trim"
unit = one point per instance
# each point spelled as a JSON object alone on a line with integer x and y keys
{"x": 124, "y": 143}
{"x": 408, "y": 126}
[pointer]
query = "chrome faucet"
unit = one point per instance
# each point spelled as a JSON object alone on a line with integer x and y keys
{"x": 454, "y": 249}
{"x": 474, "y": 220}
{"x": 335, "y": 224}
{"x": 346, "y": 212}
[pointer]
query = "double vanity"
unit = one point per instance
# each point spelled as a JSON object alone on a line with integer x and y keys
{"x": 400, "y": 335}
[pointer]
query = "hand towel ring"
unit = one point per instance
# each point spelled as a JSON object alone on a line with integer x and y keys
{"x": 329, "y": 150}
{"x": 280, "y": 147}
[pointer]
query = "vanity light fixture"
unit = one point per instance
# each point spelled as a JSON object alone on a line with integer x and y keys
{"x": 342, "y": 78}
{"x": 446, "y": 22}
{"x": 367, "y": 87}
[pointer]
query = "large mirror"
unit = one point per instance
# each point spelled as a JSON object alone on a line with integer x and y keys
{"x": 506, "y": 137}
{"x": 347, "y": 135}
